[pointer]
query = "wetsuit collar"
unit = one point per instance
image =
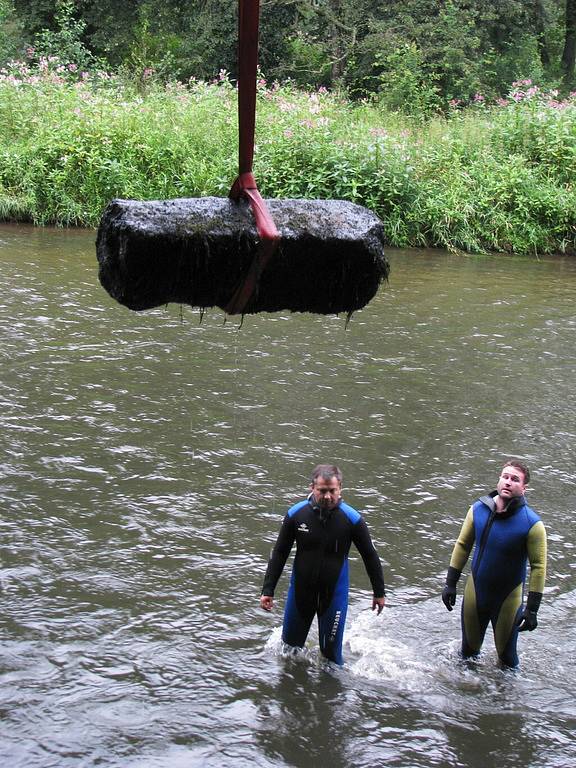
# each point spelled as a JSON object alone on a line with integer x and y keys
{"x": 513, "y": 505}
{"x": 323, "y": 514}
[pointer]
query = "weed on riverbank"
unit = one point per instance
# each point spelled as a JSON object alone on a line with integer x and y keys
{"x": 484, "y": 177}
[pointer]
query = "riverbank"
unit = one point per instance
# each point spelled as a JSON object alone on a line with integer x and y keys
{"x": 485, "y": 178}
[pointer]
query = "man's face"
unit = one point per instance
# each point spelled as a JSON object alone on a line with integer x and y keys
{"x": 326, "y": 493}
{"x": 511, "y": 483}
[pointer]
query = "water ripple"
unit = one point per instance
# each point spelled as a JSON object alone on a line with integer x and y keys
{"x": 148, "y": 460}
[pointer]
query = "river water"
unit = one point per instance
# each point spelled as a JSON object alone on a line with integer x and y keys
{"x": 147, "y": 461}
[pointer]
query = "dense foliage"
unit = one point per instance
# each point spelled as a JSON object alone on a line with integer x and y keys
{"x": 454, "y": 121}
{"x": 414, "y": 55}
{"x": 491, "y": 177}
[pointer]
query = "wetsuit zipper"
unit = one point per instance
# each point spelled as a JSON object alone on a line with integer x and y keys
{"x": 483, "y": 540}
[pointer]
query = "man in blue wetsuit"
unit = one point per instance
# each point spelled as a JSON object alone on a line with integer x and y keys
{"x": 323, "y": 527}
{"x": 507, "y": 535}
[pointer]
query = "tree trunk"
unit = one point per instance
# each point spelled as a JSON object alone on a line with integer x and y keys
{"x": 569, "y": 52}
{"x": 337, "y": 44}
{"x": 540, "y": 27}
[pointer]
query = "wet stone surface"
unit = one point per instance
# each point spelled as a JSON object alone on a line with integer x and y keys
{"x": 197, "y": 251}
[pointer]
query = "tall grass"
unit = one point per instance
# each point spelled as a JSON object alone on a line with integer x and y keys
{"x": 497, "y": 177}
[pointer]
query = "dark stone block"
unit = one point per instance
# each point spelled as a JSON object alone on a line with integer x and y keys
{"x": 197, "y": 251}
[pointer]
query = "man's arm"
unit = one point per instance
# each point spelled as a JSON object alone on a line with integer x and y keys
{"x": 464, "y": 542}
{"x": 363, "y": 543}
{"x": 537, "y": 549}
{"x": 276, "y": 563}
{"x": 460, "y": 555}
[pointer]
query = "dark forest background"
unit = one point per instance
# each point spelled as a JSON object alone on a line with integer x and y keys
{"x": 412, "y": 54}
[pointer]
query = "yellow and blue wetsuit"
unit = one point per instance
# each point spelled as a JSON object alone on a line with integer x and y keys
{"x": 319, "y": 581}
{"x": 504, "y": 543}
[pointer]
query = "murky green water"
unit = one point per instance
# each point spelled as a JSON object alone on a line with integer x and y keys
{"x": 146, "y": 463}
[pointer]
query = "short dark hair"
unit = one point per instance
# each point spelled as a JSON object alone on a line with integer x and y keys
{"x": 326, "y": 472}
{"x": 521, "y": 465}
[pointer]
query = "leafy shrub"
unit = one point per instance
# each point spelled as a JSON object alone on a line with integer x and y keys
{"x": 10, "y": 32}
{"x": 497, "y": 177}
{"x": 65, "y": 42}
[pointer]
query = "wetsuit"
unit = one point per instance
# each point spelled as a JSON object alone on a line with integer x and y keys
{"x": 319, "y": 581}
{"x": 505, "y": 542}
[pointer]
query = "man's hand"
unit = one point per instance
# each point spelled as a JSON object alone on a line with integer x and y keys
{"x": 528, "y": 618}
{"x": 377, "y": 605}
{"x": 449, "y": 591}
{"x": 527, "y": 621}
{"x": 449, "y": 596}
{"x": 266, "y": 602}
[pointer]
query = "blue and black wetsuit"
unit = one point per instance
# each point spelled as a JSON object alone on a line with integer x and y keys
{"x": 504, "y": 543}
{"x": 319, "y": 581}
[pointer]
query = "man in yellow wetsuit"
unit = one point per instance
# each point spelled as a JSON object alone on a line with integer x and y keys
{"x": 507, "y": 534}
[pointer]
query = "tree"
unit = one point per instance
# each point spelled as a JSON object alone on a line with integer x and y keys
{"x": 569, "y": 51}
{"x": 408, "y": 52}
{"x": 10, "y": 31}
{"x": 65, "y": 40}
{"x": 539, "y": 21}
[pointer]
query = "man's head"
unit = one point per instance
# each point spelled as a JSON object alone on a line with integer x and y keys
{"x": 513, "y": 479}
{"x": 326, "y": 486}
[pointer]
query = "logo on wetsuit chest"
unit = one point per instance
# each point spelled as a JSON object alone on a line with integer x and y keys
{"x": 304, "y": 528}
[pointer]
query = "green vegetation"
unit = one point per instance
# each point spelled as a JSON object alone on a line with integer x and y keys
{"x": 455, "y": 122}
{"x": 411, "y": 54}
{"x": 486, "y": 177}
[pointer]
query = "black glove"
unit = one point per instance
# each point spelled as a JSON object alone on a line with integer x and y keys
{"x": 449, "y": 591}
{"x": 449, "y": 596}
{"x": 527, "y": 619}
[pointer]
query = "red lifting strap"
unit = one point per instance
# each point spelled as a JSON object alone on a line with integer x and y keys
{"x": 245, "y": 185}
